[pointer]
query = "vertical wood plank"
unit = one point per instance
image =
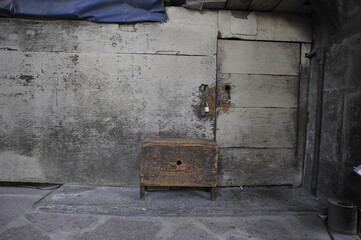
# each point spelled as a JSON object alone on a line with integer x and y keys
{"x": 302, "y": 113}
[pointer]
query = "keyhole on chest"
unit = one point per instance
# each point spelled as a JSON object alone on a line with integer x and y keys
{"x": 179, "y": 162}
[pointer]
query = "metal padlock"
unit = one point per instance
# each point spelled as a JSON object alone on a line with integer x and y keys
{"x": 206, "y": 108}
{"x": 203, "y": 112}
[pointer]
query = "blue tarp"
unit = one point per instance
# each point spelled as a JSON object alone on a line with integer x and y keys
{"x": 92, "y": 10}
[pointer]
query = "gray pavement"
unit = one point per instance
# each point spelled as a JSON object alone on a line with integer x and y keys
{"x": 77, "y": 212}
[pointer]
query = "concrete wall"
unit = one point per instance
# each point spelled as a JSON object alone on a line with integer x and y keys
{"x": 340, "y": 148}
{"x": 76, "y": 98}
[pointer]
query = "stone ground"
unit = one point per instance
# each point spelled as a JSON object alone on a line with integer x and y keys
{"x": 78, "y": 212}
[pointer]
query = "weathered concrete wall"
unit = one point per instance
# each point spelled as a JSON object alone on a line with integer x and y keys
{"x": 340, "y": 148}
{"x": 76, "y": 98}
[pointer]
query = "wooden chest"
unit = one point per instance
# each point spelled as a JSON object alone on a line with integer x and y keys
{"x": 178, "y": 163}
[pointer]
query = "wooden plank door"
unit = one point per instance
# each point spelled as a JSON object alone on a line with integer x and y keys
{"x": 257, "y": 91}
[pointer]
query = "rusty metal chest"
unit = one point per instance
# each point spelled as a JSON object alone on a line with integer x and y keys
{"x": 178, "y": 163}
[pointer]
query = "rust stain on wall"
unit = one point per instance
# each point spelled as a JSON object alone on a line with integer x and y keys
{"x": 223, "y": 101}
{"x": 207, "y": 96}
